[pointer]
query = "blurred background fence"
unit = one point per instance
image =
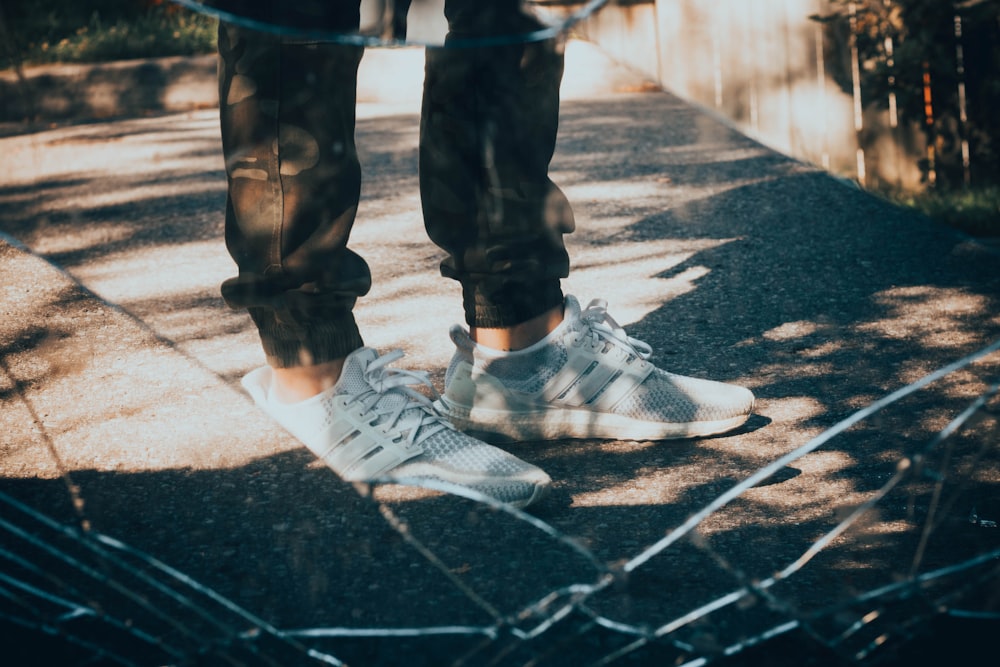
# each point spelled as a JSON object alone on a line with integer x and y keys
{"x": 898, "y": 94}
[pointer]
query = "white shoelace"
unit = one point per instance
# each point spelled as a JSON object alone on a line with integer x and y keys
{"x": 415, "y": 414}
{"x": 600, "y": 326}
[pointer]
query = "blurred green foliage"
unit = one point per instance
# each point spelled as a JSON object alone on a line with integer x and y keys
{"x": 940, "y": 59}
{"x": 47, "y": 31}
{"x": 974, "y": 210}
{"x": 922, "y": 34}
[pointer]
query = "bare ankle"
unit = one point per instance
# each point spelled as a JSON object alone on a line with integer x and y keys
{"x": 290, "y": 385}
{"x": 520, "y": 335}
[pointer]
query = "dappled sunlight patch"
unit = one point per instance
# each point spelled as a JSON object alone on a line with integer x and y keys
{"x": 410, "y": 311}
{"x": 629, "y": 276}
{"x": 395, "y": 75}
{"x": 824, "y": 480}
{"x": 20, "y": 436}
{"x": 135, "y": 274}
{"x": 82, "y": 238}
{"x": 795, "y": 408}
{"x": 203, "y": 315}
{"x": 105, "y": 394}
{"x": 380, "y": 219}
{"x": 402, "y": 493}
{"x": 646, "y": 487}
{"x": 861, "y": 399}
{"x": 825, "y": 462}
{"x": 966, "y": 386}
{"x": 707, "y": 152}
{"x": 823, "y": 350}
{"x": 161, "y": 412}
{"x": 801, "y": 339}
{"x": 791, "y": 331}
{"x": 192, "y": 145}
{"x": 230, "y": 353}
{"x": 635, "y": 292}
{"x": 877, "y": 527}
{"x": 129, "y": 194}
{"x": 798, "y": 370}
{"x": 939, "y": 317}
{"x": 652, "y": 193}
{"x": 137, "y": 398}
{"x": 615, "y": 190}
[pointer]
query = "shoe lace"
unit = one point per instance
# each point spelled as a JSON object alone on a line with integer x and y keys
{"x": 600, "y": 327}
{"x": 412, "y": 413}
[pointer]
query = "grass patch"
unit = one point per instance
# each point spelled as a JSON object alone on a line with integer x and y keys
{"x": 161, "y": 30}
{"x": 146, "y": 37}
{"x": 975, "y": 211}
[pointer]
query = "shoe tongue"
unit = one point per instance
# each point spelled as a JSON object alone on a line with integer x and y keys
{"x": 571, "y": 313}
{"x": 352, "y": 378}
{"x": 362, "y": 357}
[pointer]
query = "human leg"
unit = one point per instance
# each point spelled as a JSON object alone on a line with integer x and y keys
{"x": 531, "y": 366}
{"x": 488, "y": 132}
{"x": 287, "y": 118}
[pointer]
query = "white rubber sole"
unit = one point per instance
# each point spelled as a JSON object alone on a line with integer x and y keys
{"x": 539, "y": 480}
{"x": 577, "y": 424}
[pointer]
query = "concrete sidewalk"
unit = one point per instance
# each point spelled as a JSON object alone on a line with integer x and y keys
{"x": 135, "y": 88}
{"x": 121, "y": 368}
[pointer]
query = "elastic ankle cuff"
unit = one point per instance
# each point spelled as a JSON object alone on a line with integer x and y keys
{"x": 287, "y": 347}
{"x": 510, "y": 305}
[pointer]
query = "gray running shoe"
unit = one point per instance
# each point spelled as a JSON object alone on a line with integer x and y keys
{"x": 373, "y": 424}
{"x": 586, "y": 379}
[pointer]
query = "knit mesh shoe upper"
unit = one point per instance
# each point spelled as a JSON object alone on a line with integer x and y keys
{"x": 373, "y": 424}
{"x": 587, "y": 378}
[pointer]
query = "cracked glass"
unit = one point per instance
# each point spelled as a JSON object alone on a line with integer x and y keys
{"x": 152, "y": 516}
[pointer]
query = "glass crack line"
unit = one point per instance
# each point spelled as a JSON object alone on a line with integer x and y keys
{"x": 93, "y": 541}
{"x": 371, "y": 41}
{"x": 770, "y": 469}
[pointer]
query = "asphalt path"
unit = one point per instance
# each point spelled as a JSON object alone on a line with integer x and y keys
{"x": 121, "y": 369}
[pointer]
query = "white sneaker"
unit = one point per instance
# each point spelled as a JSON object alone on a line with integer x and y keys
{"x": 372, "y": 424}
{"x": 586, "y": 379}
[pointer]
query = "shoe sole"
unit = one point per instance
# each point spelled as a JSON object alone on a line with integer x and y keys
{"x": 540, "y": 482}
{"x": 578, "y": 424}
{"x": 540, "y": 492}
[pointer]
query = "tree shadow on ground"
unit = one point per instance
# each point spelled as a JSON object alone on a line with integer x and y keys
{"x": 818, "y": 296}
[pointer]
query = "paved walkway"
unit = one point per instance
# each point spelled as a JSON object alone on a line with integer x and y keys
{"x": 121, "y": 367}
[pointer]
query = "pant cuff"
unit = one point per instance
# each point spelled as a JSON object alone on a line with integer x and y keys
{"x": 307, "y": 345}
{"x": 511, "y": 304}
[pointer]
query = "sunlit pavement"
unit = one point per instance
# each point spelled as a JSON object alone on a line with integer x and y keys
{"x": 121, "y": 367}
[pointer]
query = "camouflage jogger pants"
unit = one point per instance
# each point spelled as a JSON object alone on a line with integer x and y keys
{"x": 487, "y": 135}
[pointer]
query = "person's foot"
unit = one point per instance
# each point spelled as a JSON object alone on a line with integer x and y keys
{"x": 372, "y": 424}
{"x": 586, "y": 379}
